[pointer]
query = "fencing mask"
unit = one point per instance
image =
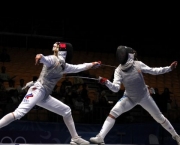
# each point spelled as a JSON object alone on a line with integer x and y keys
{"x": 65, "y": 50}
{"x": 123, "y": 52}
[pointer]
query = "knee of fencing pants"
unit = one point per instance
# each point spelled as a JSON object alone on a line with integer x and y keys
{"x": 159, "y": 118}
{"x": 116, "y": 111}
{"x": 114, "y": 114}
{"x": 66, "y": 112}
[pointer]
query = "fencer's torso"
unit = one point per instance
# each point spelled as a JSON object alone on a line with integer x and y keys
{"x": 133, "y": 81}
{"x": 49, "y": 76}
{"x": 53, "y": 70}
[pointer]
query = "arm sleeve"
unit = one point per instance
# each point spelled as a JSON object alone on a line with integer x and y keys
{"x": 154, "y": 70}
{"x": 47, "y": 60}
{"x": 116, "y": 84}
{"x": 70, "y": 68}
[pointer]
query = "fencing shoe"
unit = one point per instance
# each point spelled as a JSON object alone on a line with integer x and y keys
{"x": 98, "y": 139}
{"x": 177, "y": 138}
{"x": 79, "y": 141}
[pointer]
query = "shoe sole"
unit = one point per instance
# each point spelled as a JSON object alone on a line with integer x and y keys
{"x": 73, "y": 143}
{"x": 102, "y": 143}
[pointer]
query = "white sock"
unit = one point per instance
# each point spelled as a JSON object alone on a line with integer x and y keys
{"x": 7, "y": 119}
{"x": 167, "y": 125}
{"x": 108, "y": 124}
{"x": 70, "y": 125}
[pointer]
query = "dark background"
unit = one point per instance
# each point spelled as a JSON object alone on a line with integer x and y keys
{"x": 151, "y": 29}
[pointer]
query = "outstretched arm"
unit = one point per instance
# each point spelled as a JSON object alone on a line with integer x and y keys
{"x": 157, "y": 70}
{"x": 71, "y": 68}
